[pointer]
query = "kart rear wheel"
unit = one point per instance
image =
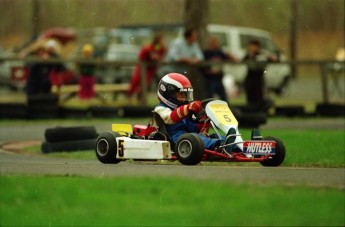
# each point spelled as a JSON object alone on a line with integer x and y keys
{"x": 189, "y": 149}
{"x": 106, "y": 147}
{"x": 279, "y": 157}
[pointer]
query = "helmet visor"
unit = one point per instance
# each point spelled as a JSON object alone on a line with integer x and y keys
{"x": 184, "y": 95}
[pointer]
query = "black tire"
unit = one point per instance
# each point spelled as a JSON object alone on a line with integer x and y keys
{"x": 330, "y": 110}
{"x": 103, "y": 111}
{"x": 279, "y": 157}
{"x": 106, "y": 147}
{"x": 43, "y": 106}
{"x": 189, "y": 149}
{"x": 13, "y": 111}
{"x": 43, "y": 112}
{"x": 68, "y": 146}
{"x": 135, "y": 111}
{"x": 45, "y": 147}
{"x": 73, "y": 113}
{"x": 252, "y": 120}
{"x": 42, "y": 99}
{"x": 290, "y": 111}
{"x": 61, "y": 134}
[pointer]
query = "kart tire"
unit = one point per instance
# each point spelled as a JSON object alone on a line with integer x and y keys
{"x": 68, "y": 146}
{"x": 106, "y": 147}
{"x": 279, "y": 157}
{"x": 61, "y": 134}
{"x": 189, "y": 149}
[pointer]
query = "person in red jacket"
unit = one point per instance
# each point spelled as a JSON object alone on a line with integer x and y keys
{"x": 151, "y": 53}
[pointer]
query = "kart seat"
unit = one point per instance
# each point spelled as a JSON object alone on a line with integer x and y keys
{"x": 162, "y": 130}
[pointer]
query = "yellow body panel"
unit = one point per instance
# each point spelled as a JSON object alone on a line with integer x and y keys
{"x": 122, "y": 128}
{"x": 223, "y": 114}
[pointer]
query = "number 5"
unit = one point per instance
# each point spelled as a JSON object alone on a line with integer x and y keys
{"x": 227, "y": 118}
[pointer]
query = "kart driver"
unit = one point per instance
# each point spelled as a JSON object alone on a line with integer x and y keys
{"x": 175, "y": 94}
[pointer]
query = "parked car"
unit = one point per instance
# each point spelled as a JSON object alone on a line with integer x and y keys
{"x": 234, "y": 40}
{"x": 125, "y": 53}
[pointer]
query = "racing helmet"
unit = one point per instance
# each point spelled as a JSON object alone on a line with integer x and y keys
{"x": 174, "y": 90}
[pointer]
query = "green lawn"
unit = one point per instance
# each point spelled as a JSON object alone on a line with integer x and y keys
{"x": 304, "y": 148}
{"x": 85, "y": 201}
{"x": 150, "y": 201}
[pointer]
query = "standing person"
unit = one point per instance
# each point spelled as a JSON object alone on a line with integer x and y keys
{"x": 39, "y": 78}
{"x": 214, "y": 73}
{"x": 87, "y": 78}
{"x": 254, "y": 83}
{"x": 186, "y": 51}
{"x": 152, "y": 53}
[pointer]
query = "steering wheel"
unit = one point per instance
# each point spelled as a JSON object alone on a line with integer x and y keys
{"x": 199, "y": 117}
{"x": 205, "y": 101}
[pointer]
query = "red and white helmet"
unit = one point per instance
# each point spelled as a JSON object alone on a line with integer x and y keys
{"x": 169, "y": 87}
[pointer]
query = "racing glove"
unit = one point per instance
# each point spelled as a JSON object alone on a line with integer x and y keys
{"x": 181, "y": 112}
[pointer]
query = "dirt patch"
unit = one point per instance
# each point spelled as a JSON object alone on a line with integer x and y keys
{"x": 18, "y": 146}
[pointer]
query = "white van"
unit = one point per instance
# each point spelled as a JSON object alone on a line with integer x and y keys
{"x": 234, "y": 40}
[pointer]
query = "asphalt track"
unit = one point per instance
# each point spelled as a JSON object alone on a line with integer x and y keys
{"x": 26, "y": 164}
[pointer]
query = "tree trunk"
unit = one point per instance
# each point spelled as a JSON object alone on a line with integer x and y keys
{"x": 36, "y": 23}
{"x": 196, "y": 17}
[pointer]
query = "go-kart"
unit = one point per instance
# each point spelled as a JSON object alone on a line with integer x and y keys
{"x": 149, "y": 142}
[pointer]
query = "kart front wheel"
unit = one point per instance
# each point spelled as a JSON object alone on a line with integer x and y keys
{"x": 106, "y": 147}
{"x": 279, "y": 157}
{"x": 189, "y": 149}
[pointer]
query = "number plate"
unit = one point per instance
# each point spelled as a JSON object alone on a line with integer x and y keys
{"x": 259, "y": 147}
{"x": 223, "y": 114}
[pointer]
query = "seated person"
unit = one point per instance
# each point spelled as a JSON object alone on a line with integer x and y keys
{"x": 175, "y": 94}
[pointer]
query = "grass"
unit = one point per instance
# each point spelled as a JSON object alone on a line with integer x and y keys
{"x": 152, "y": 201}
{"x": 305, "y": 148}
{"x": 81, "y": 201}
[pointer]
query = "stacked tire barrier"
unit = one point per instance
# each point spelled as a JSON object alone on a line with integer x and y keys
{"x": 42, "y": 106}
{"x": 13, "y": 111}
{"x": 290, "y": 111}
{"x": 46, "y": 107}
{"x": 248, "y": 118}
{"x": 330, "y": 110}
{"x": 69, "y": 139}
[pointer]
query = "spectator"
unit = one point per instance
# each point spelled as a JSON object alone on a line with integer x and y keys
{"x": 186, "y": 51}
{"x": 214, "y": 73}
{"x": 39, "y": 78}
{"x": 87, "y": 78}
{"x": 152, "y": 53}
{"x": 254, "y": 83}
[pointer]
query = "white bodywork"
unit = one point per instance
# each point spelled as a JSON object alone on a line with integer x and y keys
{"x": 128, "y": 148}
{"x": 220, "y": 114}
